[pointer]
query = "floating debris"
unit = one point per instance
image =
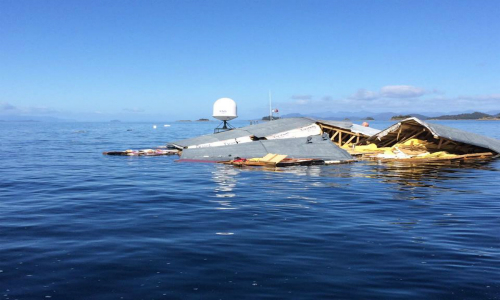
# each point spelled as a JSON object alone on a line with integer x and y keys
{"x": 306, "y": 141}
{"x": 144, "y": 152}
{"x": 413, "y": 140}
{"x": 274, "y": 160}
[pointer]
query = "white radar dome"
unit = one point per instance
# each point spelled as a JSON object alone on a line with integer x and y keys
{"x": 225, "y": 109}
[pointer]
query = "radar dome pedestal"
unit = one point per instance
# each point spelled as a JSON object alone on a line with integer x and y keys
{"x": 225, "y": 109}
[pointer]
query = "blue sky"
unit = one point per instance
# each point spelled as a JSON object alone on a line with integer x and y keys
{"x": 141, "y": 60}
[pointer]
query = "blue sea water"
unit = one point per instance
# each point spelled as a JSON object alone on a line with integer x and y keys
{"x": 75, "y": 224}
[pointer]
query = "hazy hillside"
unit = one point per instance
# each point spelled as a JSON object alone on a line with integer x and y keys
{"x": 472, "y": 116}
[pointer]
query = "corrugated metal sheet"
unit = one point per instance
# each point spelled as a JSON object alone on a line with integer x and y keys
{"x": 446, "y": 132}
{"x": 340, "y": 124}
{"x": 319, "y": 148}
{"x": 258, "y": 130}
{"x": 364, "y": 130}
{"x": 368, "y": 131}
{"x": 279, "y": 129}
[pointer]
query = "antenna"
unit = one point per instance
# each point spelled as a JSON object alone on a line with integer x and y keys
{"x": 270, "y": 107}
{"x": 225, "y": 109}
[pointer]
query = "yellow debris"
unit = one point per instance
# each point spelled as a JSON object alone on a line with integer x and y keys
{"x": 413, "y": 148}
{"x": 388, "y": 151}
{"x": 367, "y": 148}
{"x": 439, "y": 154}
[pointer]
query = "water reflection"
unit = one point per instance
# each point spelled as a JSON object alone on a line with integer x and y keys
{"x": 296, "y": 170}
{"x": 427, "y": 175}
{"x": 225, "y": 178}
{"x": 399, "y": 175}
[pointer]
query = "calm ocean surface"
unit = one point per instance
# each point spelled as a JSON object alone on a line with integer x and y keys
{"x": 75, "y": 224}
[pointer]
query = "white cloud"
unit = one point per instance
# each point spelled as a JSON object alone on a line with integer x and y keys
{"x": 302, "y": 102}
{"x": 363, "y": 94}
{"x": 490, "y": 97}
{"x": 43, "y": 110}
{"x": 401, "y": 91}
{"x": 302, "y": 97}
{"x": 4, "y": 106}
{"x": 8, "y": 108}
{"x": 389, "y": 91}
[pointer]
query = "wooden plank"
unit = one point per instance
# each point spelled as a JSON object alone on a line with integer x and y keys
{"x": 414, "y": 136}
{"x": 268, "y": 157}
{"x": 340, "y": 138}
{"x": 390, "y": 142}
{"x": 276, "y": 159}
{"x": 352, "y": 137}
{"x": 440, "y": 143}
{"x": 333, "y": 136}
{"x": 343, "y": 130}
{"x": 447, "y": 142}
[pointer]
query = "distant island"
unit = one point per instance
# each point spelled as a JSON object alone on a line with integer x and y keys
{"x": 466, "y": 116}
{"x": 402, "y": 117}
{"x": 472, "y": 116}
{"x": 199, "y": 120}
{"x": 115, "y": 121}
{"x": 394, "y": 116}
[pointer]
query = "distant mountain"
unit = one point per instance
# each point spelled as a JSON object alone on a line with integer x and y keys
{"x": 21, "y": 118}
{"x": 340, "y": 116}
{"x": 266, "y": 118}
{"x": 493, "y": 112}
{"x": 421, "y": 117}
{"x": 471, "y": 116}
{"x": 292, "y": 115}
{"x": 386, "y": 116}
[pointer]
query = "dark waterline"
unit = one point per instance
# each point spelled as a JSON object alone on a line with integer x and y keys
{"x": 76, "y": 224}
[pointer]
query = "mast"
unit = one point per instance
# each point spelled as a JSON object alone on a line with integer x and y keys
{"x": 270, "y": 107}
